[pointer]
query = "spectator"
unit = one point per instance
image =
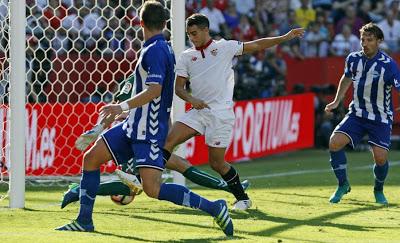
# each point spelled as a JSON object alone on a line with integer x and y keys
{"x": 232, "y": 16}
{"x": 339, "y": 7}
{"x": 352, "y": 20}
{"x": 295, "y": 4}
{"x": 222, "y": 5}
{"x": 345, "y": 42}
{"x": 217, "y": 21}
{"x": 245, "y": 7}
{"x": 391, "y": 30}
{"x": 366, "y": 14}
{"x": 192, "y": 7}
{"x": 276, "y": 65}
{"x": 93, "y": 24}
{"x": 291, "y": 47}
{"x": 244, "y": 31}
{"x": 316, "y": 41}
{"x": 393, "y": 6}
{"x": 304, "y": 14}
{"x": 322, "y": 4}
{"x": 263, "y": 17}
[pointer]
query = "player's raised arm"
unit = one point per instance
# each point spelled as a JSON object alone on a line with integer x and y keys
{"x": 182, "y": 93}
{"x": 344, "y": 85}
{"x": 264, "y": 43}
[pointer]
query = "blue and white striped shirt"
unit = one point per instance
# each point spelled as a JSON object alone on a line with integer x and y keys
{"x": 373, "y": 80}
{"x": 155, "y": 65}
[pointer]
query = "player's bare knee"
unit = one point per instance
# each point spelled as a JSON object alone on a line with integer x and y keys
{"x": 90, "y": 161}
{"x": 335, "y": 145}
{"x": 151, "y": 190}
{"x": 380, "y": 159}
{"x": 88, "y": 158}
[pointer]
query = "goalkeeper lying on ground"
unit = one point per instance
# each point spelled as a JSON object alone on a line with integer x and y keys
{"x": 129, "y": 184}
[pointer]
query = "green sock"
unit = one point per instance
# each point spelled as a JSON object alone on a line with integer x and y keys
{"x": 113, "y": 188}
{"x": 204, "y": 179}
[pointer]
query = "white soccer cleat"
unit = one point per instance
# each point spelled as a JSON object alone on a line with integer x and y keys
{"x": 242, "y": 205}
{"x": 131, "y": 181}
{"x": 88, "y": 137}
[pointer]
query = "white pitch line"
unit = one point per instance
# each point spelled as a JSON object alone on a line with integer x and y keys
{"x": 302, "y": 172}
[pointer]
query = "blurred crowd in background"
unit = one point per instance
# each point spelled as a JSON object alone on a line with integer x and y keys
{"x": 112, "y": 28}
{"x": 103, "y": 27}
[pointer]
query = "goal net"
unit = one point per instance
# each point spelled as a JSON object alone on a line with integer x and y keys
{"x": 4, "y": 95}
{"x": 78, "y": 53}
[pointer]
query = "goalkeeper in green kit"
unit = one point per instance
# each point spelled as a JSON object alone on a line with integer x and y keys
{"x": 128, "y": 174}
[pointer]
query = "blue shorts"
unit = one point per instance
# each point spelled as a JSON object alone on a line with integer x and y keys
{"x": 356, "y": 127}
{"x": 123, "y": 149}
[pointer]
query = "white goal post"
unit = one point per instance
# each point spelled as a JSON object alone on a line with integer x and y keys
{"x": 40, "y": 152}
{"x": 17, "y": 104}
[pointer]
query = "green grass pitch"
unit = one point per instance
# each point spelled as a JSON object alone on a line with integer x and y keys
{"x": 290, "y": 204}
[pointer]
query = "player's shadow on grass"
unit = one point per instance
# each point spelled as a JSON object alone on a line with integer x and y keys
{"x": 346, "y": 199}
{"x": 202, "y": 240}
{"x": 289, "y": 224}
{"x": 125, "y": 237}
{"x": 182, "y": 211}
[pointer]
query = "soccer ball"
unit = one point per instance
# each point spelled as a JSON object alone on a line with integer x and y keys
{"x": 122, "y": 199}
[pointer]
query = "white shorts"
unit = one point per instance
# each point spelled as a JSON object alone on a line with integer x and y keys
{"x": 216, "y": 125}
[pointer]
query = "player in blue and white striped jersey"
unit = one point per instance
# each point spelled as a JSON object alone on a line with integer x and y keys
{"x": 373, "y": 74}
{"x": 142, "y": 135}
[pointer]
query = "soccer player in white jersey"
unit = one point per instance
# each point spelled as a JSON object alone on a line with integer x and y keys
{"x": 373, "y": 74}
{"x": 142, "y": 135}
{"x": 208, "y": 68}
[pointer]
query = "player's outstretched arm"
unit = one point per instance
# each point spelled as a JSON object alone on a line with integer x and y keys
{"x": 182, "y": 93}
{"x": 344, "y": 85}
{"x": 264, "y": 43}
{"x": 144, "y": 97}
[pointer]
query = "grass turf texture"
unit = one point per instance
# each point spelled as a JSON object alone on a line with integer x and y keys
{"x": 290, "y": 204}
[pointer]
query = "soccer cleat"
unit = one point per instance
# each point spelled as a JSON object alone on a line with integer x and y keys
{"x": 242, "y": 205}
{"x": 86, "y": 138}
{"x": 70, "y": 196}
{"x": 245, "y": 184}
{"x": 223, "y": 219}
{"x": 131, "y": 181}
{"x": 380, "y": 197}
{"x": 76, "y": 226}
{"x": 340, "y": 192}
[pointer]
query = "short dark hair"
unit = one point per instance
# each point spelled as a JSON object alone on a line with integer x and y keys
{"x": 373, "y": 29}
{"x": 153, "y": 15}
{"x": 198, "y": 19}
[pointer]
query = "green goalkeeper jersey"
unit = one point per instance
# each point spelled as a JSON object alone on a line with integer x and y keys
{"x": 126, "y": 91}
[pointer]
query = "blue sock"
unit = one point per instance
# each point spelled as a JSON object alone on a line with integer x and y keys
{"x": 339, "y": 164}
{"x": 89, "y": 185}
{"x": 380, "y": 173}
{"x": 181, "y": 195}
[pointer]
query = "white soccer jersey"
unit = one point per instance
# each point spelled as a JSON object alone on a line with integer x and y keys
{"x": 209, "y": 70}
